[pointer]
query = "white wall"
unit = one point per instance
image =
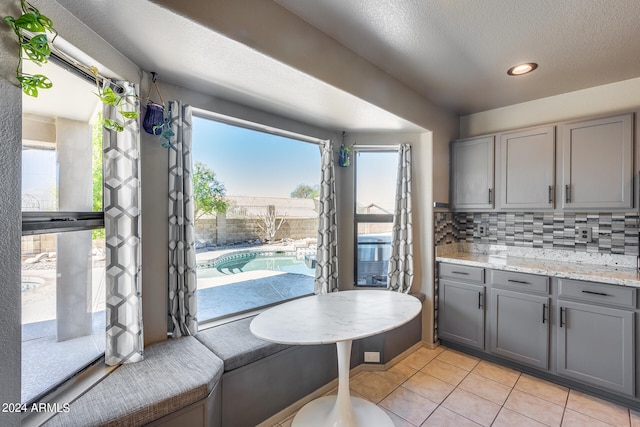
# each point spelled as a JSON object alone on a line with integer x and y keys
{"x": 10, "y": 221}
{"x": 10, "y": 231}
{"x": 610, "y": 98}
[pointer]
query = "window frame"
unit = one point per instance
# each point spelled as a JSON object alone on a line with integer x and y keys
{"x": 54, "y": 222}
{"x": 366, "y": 218}
{"x": 267, "y": 129}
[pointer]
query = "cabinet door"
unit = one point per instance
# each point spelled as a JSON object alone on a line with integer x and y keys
{"x": 527, "y": 169}
{"x": 597, "y": 159}
{"x": 472, "y": 173}
{"x": 461, "y": 313}
{"x": 595, "y": 346}
{"x": 520, "y": 327}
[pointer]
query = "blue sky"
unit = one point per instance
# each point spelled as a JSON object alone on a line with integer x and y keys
{"x": 248, "y": 163}
{"x": 252, "y": 163}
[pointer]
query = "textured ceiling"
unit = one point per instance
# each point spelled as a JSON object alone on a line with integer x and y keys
{"x": 192, "y": 56}
{"x": 457, "y": 52}
{"x": 454, "y": 53}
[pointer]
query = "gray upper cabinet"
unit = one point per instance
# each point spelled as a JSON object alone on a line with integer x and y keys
{"x": 597, "y": 163}
{"x": 527, "y": 169}
{"x": 472, "y": 163}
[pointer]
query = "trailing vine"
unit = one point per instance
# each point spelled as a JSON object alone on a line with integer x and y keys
{"x": 117, "y": 100}
{"x": 36, "y": 48}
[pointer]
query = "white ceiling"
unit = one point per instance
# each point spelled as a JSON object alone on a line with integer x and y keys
{"x": 457, "y": 52}
{"x": 453, "y": 52}
{"x": 70, "y": 96}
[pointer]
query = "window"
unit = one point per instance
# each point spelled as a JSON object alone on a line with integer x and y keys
{"x": 375, "y": 188}
{"x": 256, "y": 220}
{"x": 63, "y": 274}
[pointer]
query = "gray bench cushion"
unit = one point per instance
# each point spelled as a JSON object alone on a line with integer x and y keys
{"x": 174, "y": 374}
{"x": 235, "y": 344}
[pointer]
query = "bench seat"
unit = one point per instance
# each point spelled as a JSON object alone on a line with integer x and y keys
{"x": 234, "y": 343}
{"x": 174, "y": 374}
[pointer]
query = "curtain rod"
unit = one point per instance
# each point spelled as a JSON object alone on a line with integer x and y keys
{"x": 376, "y": 147}
{"x": 256, "y": 126}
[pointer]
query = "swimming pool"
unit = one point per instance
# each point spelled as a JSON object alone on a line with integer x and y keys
{"x": 252, "y": 260}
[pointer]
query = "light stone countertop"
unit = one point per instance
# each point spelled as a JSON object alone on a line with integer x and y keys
{"x": 593, "y": 267}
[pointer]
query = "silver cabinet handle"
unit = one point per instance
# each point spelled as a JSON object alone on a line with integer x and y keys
{"x": 490, "y": 198}
{"x": 567, "y": 193}
{"x": 551, "y": 194}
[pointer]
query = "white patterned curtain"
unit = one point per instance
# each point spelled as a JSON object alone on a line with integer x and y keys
{"x": 182, "y": 249}
{"x": 401, "y": 258}
{"x": 327, "y": 253}
{"x": 121, "y": 163}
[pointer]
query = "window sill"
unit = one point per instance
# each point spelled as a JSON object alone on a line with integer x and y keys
{"x": 38, "y": 413}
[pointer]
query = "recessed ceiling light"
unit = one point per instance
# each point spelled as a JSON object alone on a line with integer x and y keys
{"x": 521, "y": 69}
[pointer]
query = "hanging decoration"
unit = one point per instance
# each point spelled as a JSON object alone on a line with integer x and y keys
{"x": 154, "y": 117}
{"x": 157, "y": 118}
{"x": 344, "y": 153}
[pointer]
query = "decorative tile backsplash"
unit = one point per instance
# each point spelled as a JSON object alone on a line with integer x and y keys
{"x": 612, "y": 233}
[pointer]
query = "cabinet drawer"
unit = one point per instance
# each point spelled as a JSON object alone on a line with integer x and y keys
{"x": 598, "y": 293}
{"x": 462, "y": 272}
{"x": 523, "y": 281}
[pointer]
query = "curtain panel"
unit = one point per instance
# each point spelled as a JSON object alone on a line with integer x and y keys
{"x": 182, "y": 250}
{"x": 326, "y": 278}
{"x": 400, "y": 276}
{"x": 121, "y": 168}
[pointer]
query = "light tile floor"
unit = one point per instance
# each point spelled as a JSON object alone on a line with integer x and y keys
{"x": 443, "y": 387}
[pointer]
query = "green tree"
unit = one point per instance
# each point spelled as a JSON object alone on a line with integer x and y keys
{"x": 304, "y": 191}
{"x": 208, "y": 192}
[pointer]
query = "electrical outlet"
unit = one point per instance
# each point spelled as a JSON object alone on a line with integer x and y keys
{"x": 372, "y": 357}
{"x": 482, "y": 230}
{"x": 584, "y": 235}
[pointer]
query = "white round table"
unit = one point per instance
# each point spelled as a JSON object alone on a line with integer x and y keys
{"x": 338, "y": 317}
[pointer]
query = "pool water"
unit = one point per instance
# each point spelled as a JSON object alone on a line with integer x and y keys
{"x": 242, "y": 261}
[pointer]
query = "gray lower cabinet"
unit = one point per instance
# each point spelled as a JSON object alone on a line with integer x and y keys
{"x": 596, "y": 345}
{"x": 583, "y": 331}
{"x": 461, "y": 313}
{"x": 520, "y": 327}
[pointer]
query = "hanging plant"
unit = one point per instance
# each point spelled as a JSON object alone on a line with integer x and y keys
{"x": 31, "y": 29}
{"x": 157, "y": 121}
{"x": 118, "y": 99}
{"x": 344, "y": 153}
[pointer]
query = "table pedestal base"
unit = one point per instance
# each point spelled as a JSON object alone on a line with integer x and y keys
{"x": 320, "y": 413}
